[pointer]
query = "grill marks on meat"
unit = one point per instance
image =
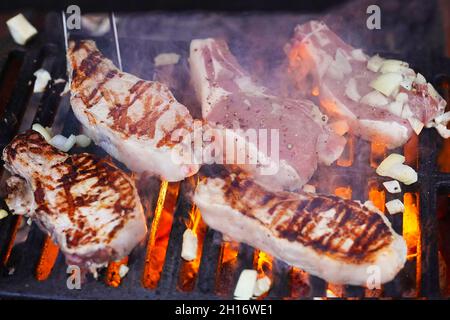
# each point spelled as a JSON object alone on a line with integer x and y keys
{"x": 87, "y": 204}
{"x": 132, "y": 119}
{"x": 328, "y": 236}
{"x": 231, "y": 99}
{"x": 313, "y": 64}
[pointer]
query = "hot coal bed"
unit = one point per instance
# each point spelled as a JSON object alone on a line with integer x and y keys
{"x": 31, "y": 265}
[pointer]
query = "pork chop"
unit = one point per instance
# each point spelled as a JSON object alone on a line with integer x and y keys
{"x": 230, "y": 99}
{"x": 89, "y": 207}
{"x": 327, "y": 236}
{"x": 137, "y": 122}
{"x": 383, "y": 100}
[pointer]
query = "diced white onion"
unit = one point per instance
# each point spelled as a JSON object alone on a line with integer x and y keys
{"x": 407, "y": 82}
{"x": 359, "y": 55}
{"x": 443, "y": 131}
{"x": 351, "y": 90}
{"x": 245, "y": 285}
{"x": 395, "y": 206}
{"x": 392, "y": 186}
{"x": 62, "y": 143}
{"x": 402, "y": 97}
{"x": 39, "y": 128}
{"x": 420, "y": 79}
{"x": 416, "y": 124}
{"x": 59, "y": 80}
{"x": 433, "y": 93}
{"x": 443, "y": 118}
{"x": 335, "y": 72}
{"x": 374, "y": 99}
{"x": 387, "y": 83}
{"x": 392, "y": 65}
{"x": 21, "y": 29}
{"x": 42, "y": 79}
{"x": 393, "y": 167}
{"x": 123, "y": 270}
{"x": 163, "y": 59}
{"x": 82, "y": 140}
{"x": 262, "y": 286}
{"x": 396, "y": 108}
{"x": 190, "y": 245}
{"x": 66, "y": 89}
{"x": 309, "y": 188}
{"x": 374, "y": 63}
{"x": 389, "y": 162}
{"x": 3, "y": 213}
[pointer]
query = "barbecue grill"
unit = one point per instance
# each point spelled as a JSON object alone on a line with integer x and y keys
{"x": 30, "y": 263}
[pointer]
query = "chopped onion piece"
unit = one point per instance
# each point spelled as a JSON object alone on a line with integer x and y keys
{"x": 59, "y": 80}
{"x": 407, "y": 82}
{"x": 3, "y": 213}
{"x": 359, "y": 55}
{"x": 335, "y": 72}
{"x": 374, "y": 99}
{"x": 416, "y": 124}
{"x": 21, "y": 29}
{"x": 190, "y": 245}
{"x": 42, "y": 79}
{"x": 164, "y": 59}
{"x": 309, "y": 188}
{"x": 62, "y": 143}
{"x": 123, "y": 270}
{"x": 262, "y": 286}
{"x": 395, "y": 206}
{"x": 388, "y": 162}
{"x": 66, "y": 89}
{"x": 83, "y": 141}
{"x": 401, "y": 97}
{"x": 39, "y": 128}
{"x": 374, "y": 63}
{"x": 245, "y": 285}
{"x": 443, "y": 118}
{"x": 387, "y": 83}
{"x": 351, "y": 90}
{"x": 392, "y": 186}
{"x": 420, "y": 79}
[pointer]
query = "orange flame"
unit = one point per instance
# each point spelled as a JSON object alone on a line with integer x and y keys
{"x": 344, "y": 192}
{"x": 12, "y": 239}
{"x": 47, "y": 260}
{"x": 113, "y": 278}
{"x": 189, "y": 269}
{"x": 411, "y": 226}
{"x": 377, "y": 196}
{"x": 159, "y": 234}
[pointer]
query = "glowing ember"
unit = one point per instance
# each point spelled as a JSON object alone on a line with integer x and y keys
{"x": 159, "y": 234}
{"x": 113, "y": 278}
{"x": 315, "y": 91}
{"x": 377, "y": 154}
{"x": 377, "y": 195}
{"x": 47, "y": 259}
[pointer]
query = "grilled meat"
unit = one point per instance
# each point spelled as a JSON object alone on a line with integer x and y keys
{"x": 137, "y": 122}
{"x": 320, "y": 60}
{"x": 327, "y": 236}
{"x": 90, "y": 207}
{"x": 230, "y": 99}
